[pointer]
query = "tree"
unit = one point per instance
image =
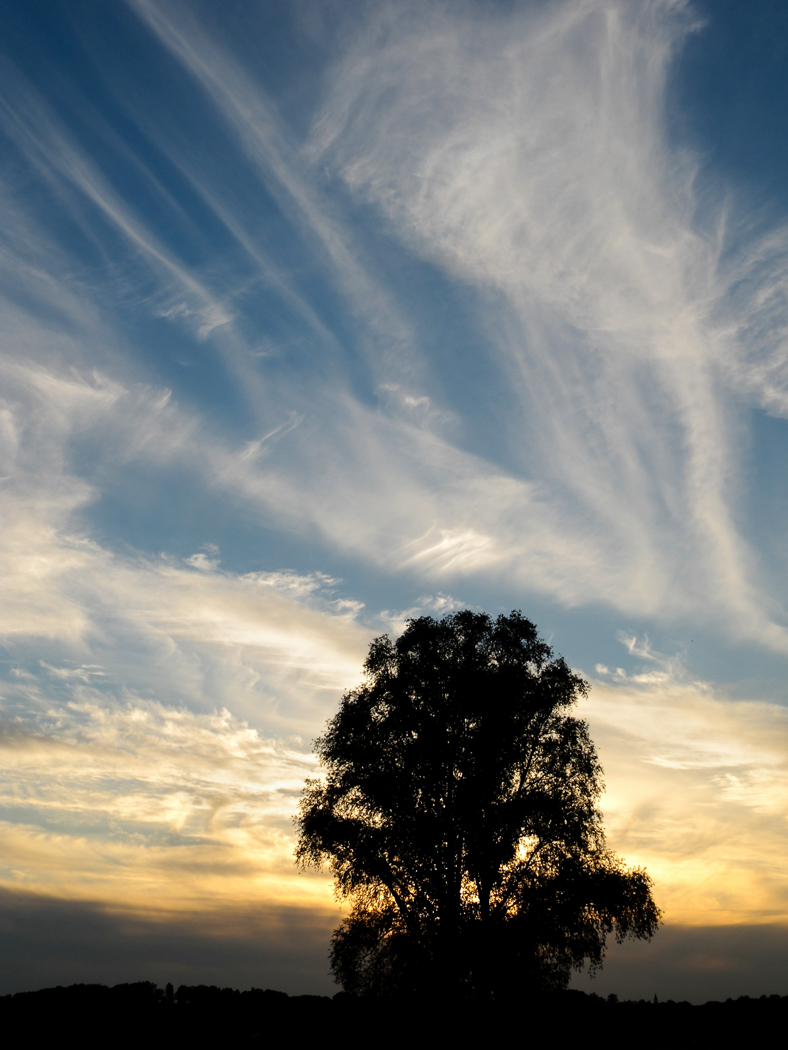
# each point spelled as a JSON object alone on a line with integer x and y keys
{"x": 459, "y": 817}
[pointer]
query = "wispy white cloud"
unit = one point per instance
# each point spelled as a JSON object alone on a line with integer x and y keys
{"x": 753, "y": 318}
{"x": 696, "y": 790}
{"x": 275, "y": 155}
{"x": 47, "y": 146}
{"x": 435, "y": 605}
{"x": 537, "y": 172}
{"x": 280, "y": 651}
{"x": 524, "y": 150}
{"x": 143, "y": 805}
{"x": 272, "y": 645}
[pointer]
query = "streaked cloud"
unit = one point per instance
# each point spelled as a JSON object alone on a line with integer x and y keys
{"x": 696, "y": 791}
{"x": 607, "y": 316}
{"x": 131, "y": 801}
{"x": 525, "y": 152}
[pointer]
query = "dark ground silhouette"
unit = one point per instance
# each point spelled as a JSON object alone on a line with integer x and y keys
{"x": 143, "y": 1015}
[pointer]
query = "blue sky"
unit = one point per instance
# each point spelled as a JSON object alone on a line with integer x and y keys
{"x": 318, "y": 316}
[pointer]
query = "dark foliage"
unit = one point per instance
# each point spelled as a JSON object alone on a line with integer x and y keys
{"x": 459, "y": 817}
{"x": 142, "y": 1015}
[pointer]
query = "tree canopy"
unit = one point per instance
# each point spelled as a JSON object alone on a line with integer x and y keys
{"x": 459, "y": 815}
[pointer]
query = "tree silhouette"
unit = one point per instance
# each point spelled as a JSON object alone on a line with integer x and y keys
{"x": 459, "y": 817}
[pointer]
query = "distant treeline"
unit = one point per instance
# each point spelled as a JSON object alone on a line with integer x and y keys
{"x": 194, "y": 1016}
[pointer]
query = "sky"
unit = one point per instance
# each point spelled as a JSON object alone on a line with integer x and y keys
{"x": 319, "y": 315}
